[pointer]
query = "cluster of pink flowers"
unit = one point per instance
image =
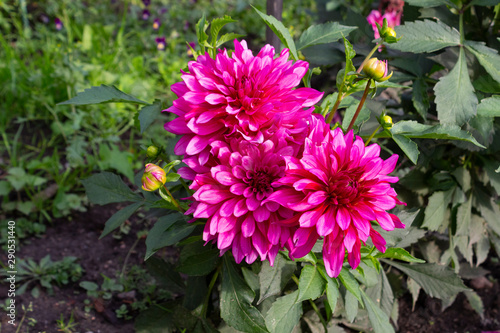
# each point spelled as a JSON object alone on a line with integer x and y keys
{"x": 392, "y": 13}
{"x": 267, "y": 173}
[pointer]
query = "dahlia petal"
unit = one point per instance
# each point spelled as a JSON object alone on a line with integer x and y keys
{"x": 378, "y": 240}
{"x": 397, "y": 221}
{"x": 197, "y": 144}
{"x": 261, "y": 214}
{"x": 215, "y": 99}
{"x": 334, "y": 260}
{"x": 225, "y": 239}
{"x": 343, "y": 218}
{"x": 228, "y": 207}
{"x": 274, "y": 233}
{"x": 384, "y": 220}
{"x": 225, "y": 178}
{"x": 354, "y": 257}
{"x": 225, "y": 224}
{"x": 317, "y": 198}
{"x": 310, "y": 240}
{"x": 240, "y": 208}
{"x": 238, "y": 188}
{"x": 350, "y": 238}
{"x": 252, "y": 203}
{"x": 389, "y": 164}
{"x": 248, "y": 226}
{"x": 310, "y": 218}
{"x": 326, "y": 222}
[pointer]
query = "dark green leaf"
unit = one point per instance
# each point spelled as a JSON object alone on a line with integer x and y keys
{"x": 487, "y": 57}
{"x": 364, "y": 115}
{"x": 332, "y": 288}
{"x": 106, "y": 187}
{"x": 216, "y": 25}
{"x": 236, "y": 299}
{"x": 119, "y": 217}
{"x": 201, "y": 27}
{"x": 272, "y": 279}
{"x": 311, "y": 284}
{"x": 475, "y": 302}
{"x": 323, "y": 33}
{"x": 379, "y": 320}
{"x": 279, "y": 29}
{"x": 491, "y": 213}
{"x": 455, "y": 99}
{"x": 400, "y": 254}
{"x": 156, "y": 319}
{"x": 425, "y": 36}
{"x": 437, "y": 280}
{"x": 284, "y": 314}
{"x": 489, "y": 107}
{"x": 89, "y": 286}
{"x": 350, "y": 282}
{"x": 102, "y": 94}
{"x": 382, "y": 294}
{"x": 195, "y": 293}
{"x": 436, "y": 209}
{"x": 430, "y": 3}
{"x": 197, "y": 259}
{"x": 408, "y": 147}
{"x": 165, "y": 274}
{"x": 420, "y": 97}
{"x": 464, "y": 212}
{"x": 494, "y": 177}
{"x": 148, "y": 114}
{"x": 167, "y": 231}
{"x": 351, "y": 306}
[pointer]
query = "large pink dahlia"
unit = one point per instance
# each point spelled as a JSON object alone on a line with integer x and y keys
{"x": 239, "y": 94}
{"x": 337, "y": 187}
{"x": 231, "y": 193}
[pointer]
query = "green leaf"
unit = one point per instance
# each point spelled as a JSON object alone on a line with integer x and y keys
{"x": 491, "y": 212}
{"x": 363, "y": 116}
{"x": 430, "y": 3}
{"x": 332, "y": 288}
{"x": 425, "y": 36}
{"x": 5, "y": 187}
{"x": 382, "y": 294}
{"x": 164, "y": 274}
{"x": 102, "y": 94}
{"x": 436, "y": 209}
{"x": 342, "y": 76}
{"x": 484, "y": 2}
{"x": 408, "y": 147}
{"x": 226, "y": 38}
{"x": 351, "y": 306}
{"x": 487, "y": 57}
{"x": 350, "y": 282}
{"x": 437, "y": 280}
{"x": 494, "y": 177}
{"x": 400, "y": 254}
{"x": 156, "y": 319}
{"x": 489, "y": 107}
{"x": 116, "y": 159}
{"x": 236, "y": 299}
{"x": 420, "y": 97}
{"x": 198, "y": 260}
{"x": 89, "y": 286}
{"x": 455, "y": 99}
{"x": 311, "y": 284}
{"x": 323, "y": 33}
{"x": 475, "y": 302}
{"x": 106, "y": 187}
{"x": 119, "y": 217}
{"x": 216, "y": 25}
{"x": 148, "y": 114}
{"x": 413, "y": 129}
{"x": 202, "y": 36}
{"x": 272, "y": 279}
{"x": 279, "y": 29}
{"x": 379, "y": 320}
{"x": 284, "y": 314}
{"x": 167, "y": 231}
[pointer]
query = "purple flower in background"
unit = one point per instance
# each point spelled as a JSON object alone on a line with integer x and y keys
{"x": 190, "y": 47}
{"x": 44, "y": 18}
{"x": 186, "y": 25}
{"x": 146, "y": 2}
{"x": 160, "y": 43}
{"x": 145, "y": 14}
{"x": 58, "y": 23}
{"x": 156, "y": 24}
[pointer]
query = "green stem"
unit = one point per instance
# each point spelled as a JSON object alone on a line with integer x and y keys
{"x": 371, "y": 136}
{"x": 186, "y": 187}
{"x": 335, "y": 107}
{"x": 369, "y": 56}
{"x": 176, "y": 204}
{"x": 461, "y": 26}
{"x": 361, "y": 103}
{"x": 210, "y": 287}
{"x": 128, "y": 256}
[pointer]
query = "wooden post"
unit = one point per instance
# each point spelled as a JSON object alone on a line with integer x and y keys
{"x": 274, "y": 8}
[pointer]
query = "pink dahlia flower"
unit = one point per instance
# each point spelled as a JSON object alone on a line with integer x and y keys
{"x": 240, "y": 95}
{"x": 336, "y": 188}
{"x": 230, "y": 195}
{"x": 375, "y": 16}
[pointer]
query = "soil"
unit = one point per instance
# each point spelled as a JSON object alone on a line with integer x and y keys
{"x": 80, "y": 238}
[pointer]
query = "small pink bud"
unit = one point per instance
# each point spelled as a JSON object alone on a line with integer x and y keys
{"x": 153, "y": 178}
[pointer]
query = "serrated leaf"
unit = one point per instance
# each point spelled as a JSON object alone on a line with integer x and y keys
{"x": 351, "y": 306}
{"x": 494, "y": 177}
{"x": 323, "y": 33}
{"x": 284, "y": 314}
{"x": 311, "y": 284}
{"x": 226, "y": 38}
{"x": 408, "y": 147}
{"x": 119, "y": 217}
{"x": 436, "y": 280}
{"x": 148, "y": 114}
{"x": 102, "y": 94}
{"x": 164, "y": 274}
{"x": 425, "y": 36}
{"x": 216, "y": 25}
{"x": 202, "y": 36}
{"x": 382, "y": 294}
{"x": 156, "y": 319}
{"x": 400, "y": 254}
{"x": 379, "y": 320}
{"x": 198, "y": 260}
{"x": 236, "y": 299}
{"x": 482, "y": 248}
{"x": 455, "y": 99}
{"x": 490, "y": 212}
{"x": 279, "y": 29}
{"x": 464, "y": 212}
{"x": 436, "y": 209}
{"x": 272, "y": 279}
{"x": 167, "y": 231}
{"x": 106, "y": 187}
{"x": 349, "y": 282}
{"x": 420, "y": 97}
{"x": 475, "y": 302}
{"x": 332, "y": 288}
{"x": 489, "y": 107}
{"x": 487, "y": 57}
{"x": 430, "y": 3}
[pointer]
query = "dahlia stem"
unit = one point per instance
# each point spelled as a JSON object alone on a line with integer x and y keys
{"x": 371, "y": 136}
{"x": 186, "y": 187}
{"x": 361, "y": 103}
{"x": 210, "y": 287}
{"x": 313, "y": 305}
{"x": 369, "y": 56}
{"x": 335, "y": 107}
{"x": 176, "y": 204}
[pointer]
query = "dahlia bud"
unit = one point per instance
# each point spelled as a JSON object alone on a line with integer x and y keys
{"x": 376, "y": 69}
{"x": 153, "y": 178}
{"x": 152, "y": 152}
{"x": 388, "y": 32}
{"x": 386, "y": 122}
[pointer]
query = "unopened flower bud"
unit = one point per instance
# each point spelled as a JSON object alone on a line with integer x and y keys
{"x": 376, "y": 69}
{"x": 152, "y": 152}
{"x": 153, "y": 178}
{"x": 388, "y": 32}
{"x": 386, "y": 122}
